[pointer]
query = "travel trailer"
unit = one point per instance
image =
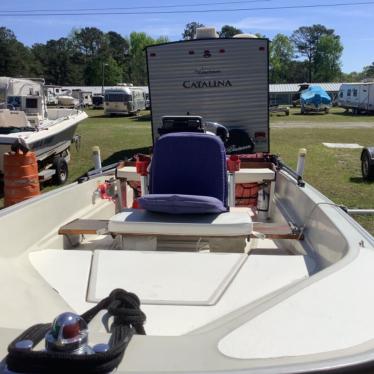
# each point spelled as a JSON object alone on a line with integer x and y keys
{"x": 84, "y": 97}
{"x": 196, "y": 279}
{"x": 223, "y": 81}
{"x": 357, "y": 97}
{"x": 145, "y": 89}
{"x": 123, "y": 100}
{"x": 48, "y": 132}
{"x": 51, "y": 92}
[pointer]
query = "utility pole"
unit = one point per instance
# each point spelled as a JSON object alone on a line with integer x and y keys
{"x": 103, "y": 64}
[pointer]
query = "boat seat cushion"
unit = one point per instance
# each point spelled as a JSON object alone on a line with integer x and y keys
{"x": 181, "y": 204}
{"x": 143, "y": 222}
{"x": 189, "y": 164}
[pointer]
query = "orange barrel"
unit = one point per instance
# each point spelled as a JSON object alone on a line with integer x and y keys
{"x": 21, "y": 180}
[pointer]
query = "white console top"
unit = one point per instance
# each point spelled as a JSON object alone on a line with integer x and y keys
{"x": 242, "y": 176}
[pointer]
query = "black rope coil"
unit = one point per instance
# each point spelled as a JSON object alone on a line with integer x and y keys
{"x": 128, "y": 320}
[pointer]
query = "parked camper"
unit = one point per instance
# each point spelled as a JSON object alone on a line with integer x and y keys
{"x": 358, "y": 97}
{"x": 84, "y": 97}
{"x": 123, "y": 100}
{"x": 51, "y": 93}
{"x": 97, "y": 101}
{"x": 210, "y": 78}
{"x": 145, "y": 90}
{"x": 51, "y": 98}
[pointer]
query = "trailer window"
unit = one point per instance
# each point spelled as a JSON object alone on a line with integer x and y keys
{"x": 349, "y": 92}
{"x": 355, "y": 92}
{"x": 14, "y": 101}
{"x": 341, "y": 94}
{"x": 31, "y": 103}
{"x": 117, "y": 98}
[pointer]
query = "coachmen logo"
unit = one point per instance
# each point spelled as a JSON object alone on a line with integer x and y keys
{"x": 204, "y": 70}
{"x": 207, "y": 84}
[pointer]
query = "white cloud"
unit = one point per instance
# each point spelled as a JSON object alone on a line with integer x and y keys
{"x": 170, "y": 30}
{"x": 254, "y": 24}
{"x": 354, "y": 13}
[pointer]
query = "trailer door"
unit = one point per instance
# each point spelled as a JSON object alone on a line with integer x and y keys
{"x": 221, "y": 80}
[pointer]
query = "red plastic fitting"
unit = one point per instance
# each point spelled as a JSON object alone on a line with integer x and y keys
{"x": 233, "y": 163}
{"x": 141, "y": 164}
{"x": 135, "y": 204}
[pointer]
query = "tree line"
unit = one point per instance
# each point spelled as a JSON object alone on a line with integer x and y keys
{"x": 80, "y": 58}
{"x": 309, "y": 54}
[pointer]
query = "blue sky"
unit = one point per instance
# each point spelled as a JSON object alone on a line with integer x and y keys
{"x": 353, "y": 23}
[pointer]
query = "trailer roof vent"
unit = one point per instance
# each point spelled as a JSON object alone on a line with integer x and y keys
{"x": 250, "y": 36}
{"x": 206, "y": 33}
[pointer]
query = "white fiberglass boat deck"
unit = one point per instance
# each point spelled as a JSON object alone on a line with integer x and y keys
{"x": 284, "y": 304}
{"x": 284, "y": 287}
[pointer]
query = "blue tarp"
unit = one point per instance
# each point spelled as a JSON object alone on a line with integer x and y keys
{"x": 315, "y": 95}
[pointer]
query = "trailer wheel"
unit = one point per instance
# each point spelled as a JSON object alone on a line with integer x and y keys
{"x": 367, "y": 168}
{"x": 327, "y": 110}
{"x": 62, "y": 172}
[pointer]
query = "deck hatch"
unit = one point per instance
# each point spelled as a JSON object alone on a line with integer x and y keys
{"x": 171, "y": 278}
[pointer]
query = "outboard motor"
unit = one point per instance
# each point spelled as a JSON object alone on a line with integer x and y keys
{"x": 239, "y": 142}
{"x": 192, "y": 124}
{"x": 218, "y": 129}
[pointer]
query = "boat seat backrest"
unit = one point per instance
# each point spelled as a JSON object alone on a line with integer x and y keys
{"x": 189, "y": 164}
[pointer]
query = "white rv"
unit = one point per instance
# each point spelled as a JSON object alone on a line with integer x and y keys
{"x": 223, "y": 81}
{"x": 123, "y": 100}
{"x": 145, "y": 89}
{"x": 359, "y": 97}
{"x": 84, "y": 97}
{"x": 51, "y": 92}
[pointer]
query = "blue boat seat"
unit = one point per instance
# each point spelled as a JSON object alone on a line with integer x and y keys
{"x": 188, "y": 196}
{"x": 187, "y": 175}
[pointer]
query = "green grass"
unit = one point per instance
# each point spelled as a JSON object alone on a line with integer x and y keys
{"x": 336, "y": 115}
{"x": 118, "y": 138}
{"x": 335, "y": 172}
